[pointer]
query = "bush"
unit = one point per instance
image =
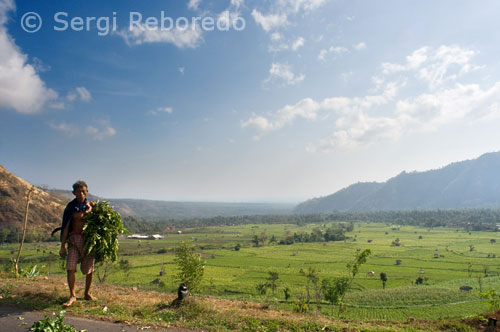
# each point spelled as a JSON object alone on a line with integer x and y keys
{"x": 191, "y": 267}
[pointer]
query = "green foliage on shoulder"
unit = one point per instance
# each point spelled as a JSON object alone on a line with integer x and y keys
{"x": 102, "y": 227}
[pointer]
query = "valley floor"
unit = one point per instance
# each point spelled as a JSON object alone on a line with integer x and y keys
{"x": 152, "y": 309}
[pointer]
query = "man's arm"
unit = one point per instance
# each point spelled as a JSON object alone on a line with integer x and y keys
{"x": 64, "y": 238}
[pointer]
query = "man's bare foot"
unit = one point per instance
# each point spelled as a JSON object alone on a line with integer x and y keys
{"x": 70, "y": 301}
{"x": 89, "y": 297}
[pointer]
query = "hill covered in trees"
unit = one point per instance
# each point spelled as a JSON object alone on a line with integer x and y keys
{"x": 466, "y": 184}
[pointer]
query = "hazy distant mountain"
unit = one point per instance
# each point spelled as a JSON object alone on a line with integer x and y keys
{"x": 170, "y": 209}
{"x": 466, "y": 184}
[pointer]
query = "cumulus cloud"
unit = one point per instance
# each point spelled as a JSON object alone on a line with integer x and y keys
{"x": 100, "y": 130}
{"x": 306, "y": 108}
{"x": 160, "y": 110}
{"x": 282, "y": 72}
{"x": 435, "y": 66}
{"x": 294, "y": 6}
{"x": 271, "y": 21}
{"x": 231, "y": 15}
{"x": 21, "y": 88}
{"x": 193, "y": 4}
{"x": 387, "y": 115}
{"x": 360, "y": 46}
{"x": 331, "y": 50}
{"x": 100, "y": 134}
{"x": 275, "y": 36}
{"x": 69, "y": 130}
{"x": 190, "y": 36}
{"x": 282, "y": 9}
{"x": 80, "y": 93}
{"x": 298, "y": 43}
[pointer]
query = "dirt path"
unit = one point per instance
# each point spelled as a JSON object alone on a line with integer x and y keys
{"x": 20, "y": 320}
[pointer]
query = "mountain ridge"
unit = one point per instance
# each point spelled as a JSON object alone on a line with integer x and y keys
{"x": 473, "y": 183}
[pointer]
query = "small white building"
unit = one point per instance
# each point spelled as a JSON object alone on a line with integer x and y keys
{"x": 155, "y": 237}
{"x": 145, "y": 237}
{"x": 138, "y": 237}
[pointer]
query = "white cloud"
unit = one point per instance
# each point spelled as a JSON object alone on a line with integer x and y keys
{"x": 361, "y": 46}
{"x": 159, "y": 110}
{"x": 283, "y": 72}
{"x": 237, "y": 3}
{"x": 305, "y": 108}
{"x": 298, "y": 43}
{"x": 275, "y": 36}
{"x": 183, "y": 37}
{"x": 66, "y": 128}
{"x": 361, "y": 121}
{"x": 269, "y": 22}
{"x": 333, "y": 49}
{"x": 193, "y": 4}
{"x": 435, "y": 67}
{"x": 281, "y": 10}
{"x": 80, "y": 93}
{"x": 101, "y": 130}
{"x": 295, "y": 6}
{"x": 83, "y": 93}
{"x": 21, "y": 88}
{"x": 100, "y": 134}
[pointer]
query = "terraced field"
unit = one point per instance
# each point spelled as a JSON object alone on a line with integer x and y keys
{"x": 443, "y": 258}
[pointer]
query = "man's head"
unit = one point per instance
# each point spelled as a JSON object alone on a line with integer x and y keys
{"x": 80, "y": 190}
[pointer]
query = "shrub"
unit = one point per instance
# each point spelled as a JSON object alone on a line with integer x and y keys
{"x": 191, "y": 267}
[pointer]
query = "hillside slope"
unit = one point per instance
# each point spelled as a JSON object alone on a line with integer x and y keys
{"x": 45, "y": 210}
{"x": 466, "y": 184}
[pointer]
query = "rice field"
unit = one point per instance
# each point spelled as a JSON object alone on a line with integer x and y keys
{"x": 444, "y": 259}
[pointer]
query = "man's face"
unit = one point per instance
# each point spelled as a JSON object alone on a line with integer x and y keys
{"x": 80, "y": 194}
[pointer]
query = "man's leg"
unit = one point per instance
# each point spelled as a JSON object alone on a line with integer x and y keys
{"x": 87, "y": 268}
{"x": 71, "y": 285}
{"x": 88, "y": 284}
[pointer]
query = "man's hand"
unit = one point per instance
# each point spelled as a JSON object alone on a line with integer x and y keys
{"x": 90, "y": 205}
{"x": 63, "y": 251}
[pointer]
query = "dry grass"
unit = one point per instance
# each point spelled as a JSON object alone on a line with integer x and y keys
{"x": 152, "y": 308}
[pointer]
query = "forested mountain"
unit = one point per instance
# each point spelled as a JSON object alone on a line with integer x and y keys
{"x": 466, "y": 184}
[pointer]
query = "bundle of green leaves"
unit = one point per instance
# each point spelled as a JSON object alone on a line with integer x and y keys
{"x": 102, "y": 227}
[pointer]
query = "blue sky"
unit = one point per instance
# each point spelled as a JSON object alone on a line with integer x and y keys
{"x": 305, "y": 98}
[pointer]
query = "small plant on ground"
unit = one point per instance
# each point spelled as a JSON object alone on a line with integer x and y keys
{"x": 53, "y": 324}
{"x": 273, "y": 280}
{"x": 31, "y": 272}
{"x": 125, "y": 266}
{"x": 287, "y": 293}
{"x": 492, "y": 299}
{"x": 353, "y": 268}
{"x": 333, "y": 289}
{"x": 383, "y": 277}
